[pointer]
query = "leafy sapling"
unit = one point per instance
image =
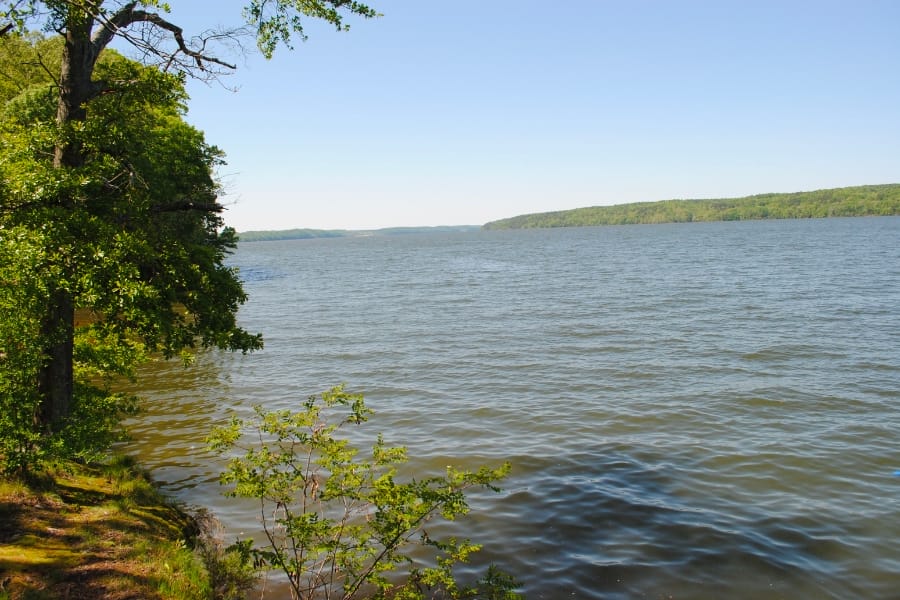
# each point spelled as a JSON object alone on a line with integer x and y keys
{"x": 339, "y": 524}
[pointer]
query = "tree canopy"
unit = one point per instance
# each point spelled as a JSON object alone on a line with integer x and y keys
{"x": 111, "y": 236}
{"x": 134, "y": 236}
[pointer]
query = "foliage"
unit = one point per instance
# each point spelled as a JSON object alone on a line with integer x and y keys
{"x": 24, "y": 61}
{"x": 339, "y": 524}
{"x": 144, "y": 244}
{"x": 276, "y": 22}
{"x": 230, "y": 571}
{"x": 25, "y": 279}
{"x": 22, "y": 286}
{"x": 134, "y": 236}
{"x": 870, "y": 200}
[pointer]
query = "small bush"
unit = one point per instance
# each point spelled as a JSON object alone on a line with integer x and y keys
{"x": 340, "y": 525}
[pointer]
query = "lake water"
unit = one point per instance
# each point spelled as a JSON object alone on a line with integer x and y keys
{"x": 704, "y": 410}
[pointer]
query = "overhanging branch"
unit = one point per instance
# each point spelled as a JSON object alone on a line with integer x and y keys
{"x": 178, "y": 34}
{"x": 128, "y": 15}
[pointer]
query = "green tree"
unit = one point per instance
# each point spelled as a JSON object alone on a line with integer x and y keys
{"x": 82, "y": 178}
{"x": 133, "y": 237}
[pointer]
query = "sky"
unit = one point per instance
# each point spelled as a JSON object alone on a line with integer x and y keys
{"x": 461, "y": 112}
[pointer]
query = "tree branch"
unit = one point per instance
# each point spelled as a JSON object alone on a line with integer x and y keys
{"x": 127, "y": 15}
{"x": 178, "y": 34}
{"x": 53, "y": 76}
{"x": 109, "y": 28}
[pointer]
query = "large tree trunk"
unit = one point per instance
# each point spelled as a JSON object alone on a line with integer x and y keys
{"x": 74, "y": 86}
{"x": 56, "y": 382}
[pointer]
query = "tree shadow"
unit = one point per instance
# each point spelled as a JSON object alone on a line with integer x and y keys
{"x": 82, "y": 543}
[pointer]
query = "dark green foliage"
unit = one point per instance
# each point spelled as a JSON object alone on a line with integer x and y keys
{"x": 96, "y": 410}
{"x": 869, "y": 200}
{"x": 134, "y": 236}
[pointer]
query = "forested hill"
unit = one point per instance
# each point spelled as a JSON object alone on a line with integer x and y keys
{"x": 867, "y": 200}
{"x": 304, "y": 234}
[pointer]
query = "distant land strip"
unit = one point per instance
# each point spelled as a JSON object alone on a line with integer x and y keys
{"x": 859, "y": 201}
{"x": 307, "y": 234}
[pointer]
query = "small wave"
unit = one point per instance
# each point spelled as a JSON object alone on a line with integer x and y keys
{"x": 781, "y": 354}
{"x": 258, "y": 274}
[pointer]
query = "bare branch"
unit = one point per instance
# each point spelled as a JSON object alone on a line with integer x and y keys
{"x": 6, "y": 29}
{"x": 127, "y": 15}
{"x": 53, "y": 76}
{"x": 177, "y": 32}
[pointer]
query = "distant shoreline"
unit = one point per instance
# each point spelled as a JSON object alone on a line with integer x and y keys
{"x": 859, "y": 201}
{"x": 308, "y": 234}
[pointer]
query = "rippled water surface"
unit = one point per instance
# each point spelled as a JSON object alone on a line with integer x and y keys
{"x": 700, "y": 410}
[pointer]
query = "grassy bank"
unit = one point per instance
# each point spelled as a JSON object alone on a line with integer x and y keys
{"x": 98, "y": 532}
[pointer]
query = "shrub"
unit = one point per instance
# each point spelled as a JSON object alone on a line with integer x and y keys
{"x": 340, "y": 525}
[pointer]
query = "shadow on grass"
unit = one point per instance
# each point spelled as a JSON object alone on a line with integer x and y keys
{"x": 89, "y": 537}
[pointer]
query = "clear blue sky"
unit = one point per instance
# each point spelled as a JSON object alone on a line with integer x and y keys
{"x": 461, "y": 112}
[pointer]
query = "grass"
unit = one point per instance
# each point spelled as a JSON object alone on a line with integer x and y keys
{"x": 96, "y": 532}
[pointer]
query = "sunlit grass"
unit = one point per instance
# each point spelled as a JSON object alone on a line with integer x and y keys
{"x": 104, "y": 529}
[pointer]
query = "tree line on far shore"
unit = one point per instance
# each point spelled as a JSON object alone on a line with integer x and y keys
{"x": 858, "y": 201}
{"x": 308, "y": 234}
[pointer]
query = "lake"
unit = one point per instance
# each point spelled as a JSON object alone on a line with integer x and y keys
{"x": 702, "y": 410}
